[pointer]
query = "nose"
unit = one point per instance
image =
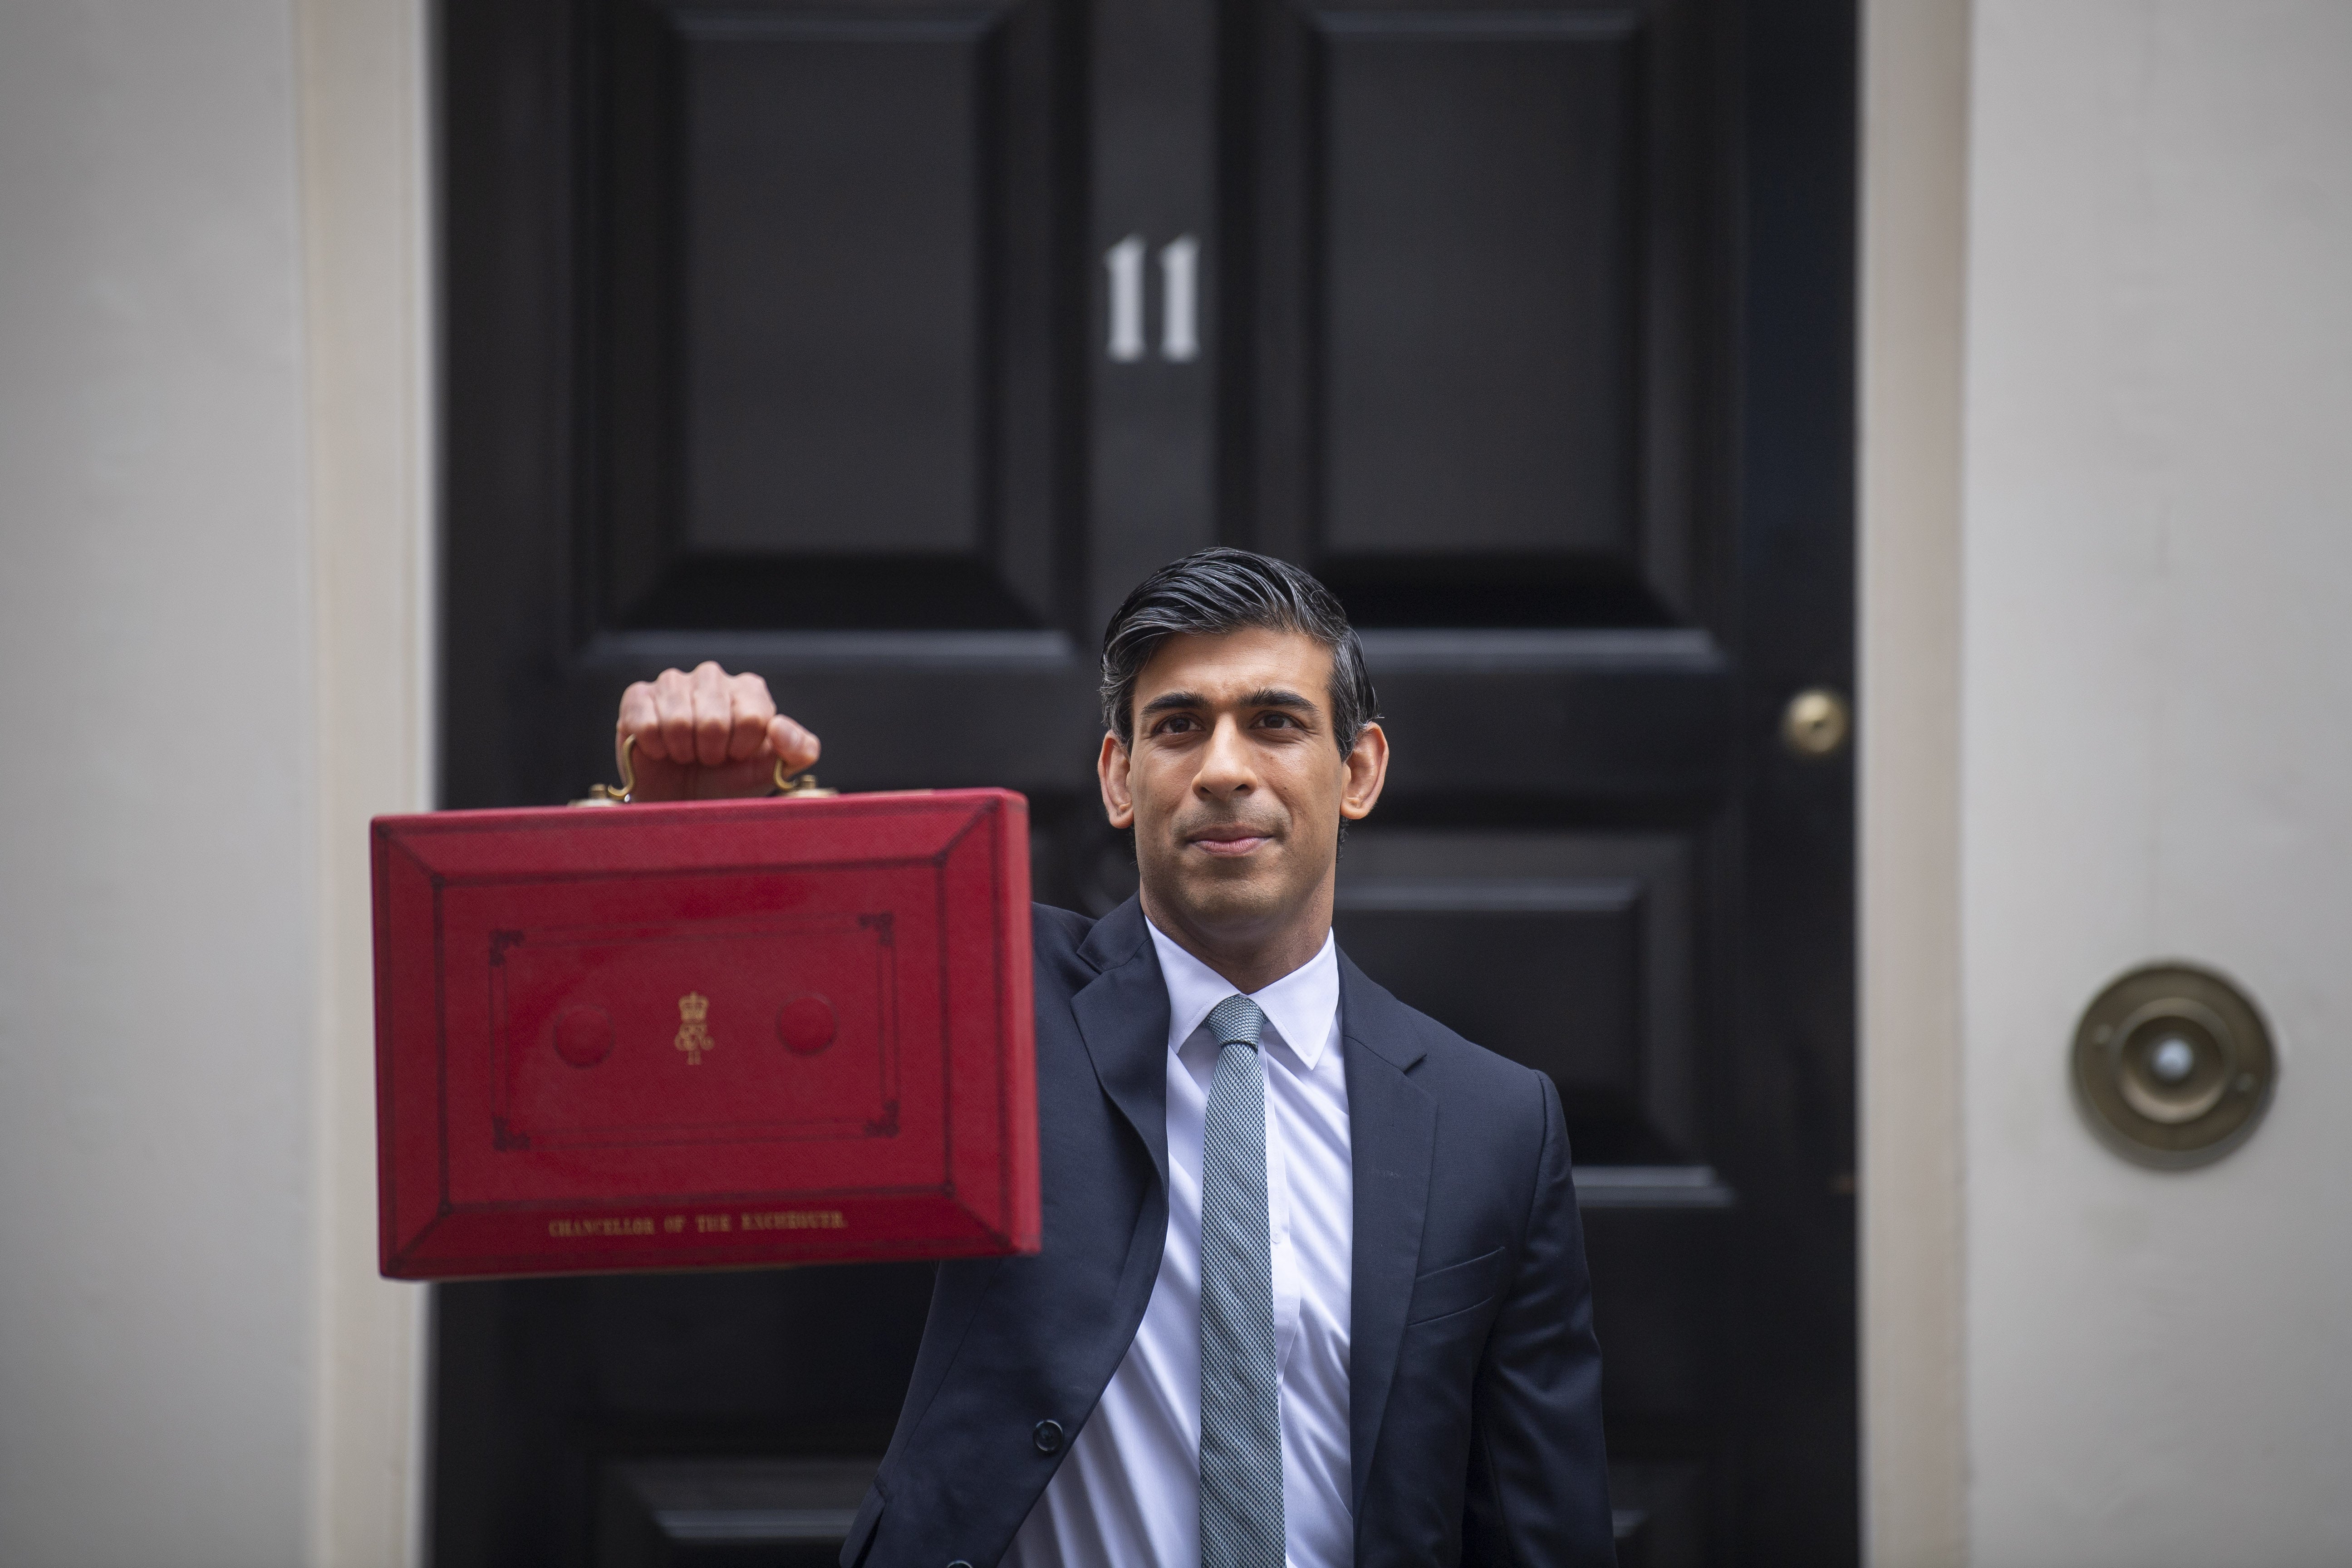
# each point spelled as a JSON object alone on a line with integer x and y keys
{"x": 1225, "y": 763}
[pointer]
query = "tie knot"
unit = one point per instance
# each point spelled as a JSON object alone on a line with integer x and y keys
{"x": 1237, "y": 1021}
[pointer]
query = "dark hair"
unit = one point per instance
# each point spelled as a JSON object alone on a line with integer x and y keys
{"x": 1221, "y": 590}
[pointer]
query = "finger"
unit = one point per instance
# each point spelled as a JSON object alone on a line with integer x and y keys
{"x": 752, "y": 708}
{"x": 673, "y": 738}
{"x": 796, "y": 746}
{"x": 637, "y": 718}
{"x": 713, "y": 714}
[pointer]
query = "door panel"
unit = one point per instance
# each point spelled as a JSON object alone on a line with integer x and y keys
{"x": 1488, "y": 294}
{"x": 1598, "y": 724}
{"x": 880, "y": 346}
{"x": 544, "y": 1388}
{"x": 827, "y": 246}
{"x": 855, "y": 427}
{"x": 1476, "y": 282}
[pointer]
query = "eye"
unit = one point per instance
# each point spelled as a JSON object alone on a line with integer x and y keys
{"x": 1175, "y": 724}
{"x": 1280, "y": 720}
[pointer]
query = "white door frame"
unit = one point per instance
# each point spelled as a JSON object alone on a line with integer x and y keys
{"x": 365, "y": 135}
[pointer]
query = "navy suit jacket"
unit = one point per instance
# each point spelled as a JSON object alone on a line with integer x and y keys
{"x": 1475, "y": 1381}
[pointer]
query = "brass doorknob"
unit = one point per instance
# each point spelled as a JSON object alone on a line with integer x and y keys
{"x": 2173, "y": 1066}
{"x": 1816, "y": 722}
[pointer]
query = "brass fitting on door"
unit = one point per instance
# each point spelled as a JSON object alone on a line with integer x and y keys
{"x": 1815, "y": 723}
{"x": 2173, "y": 1066}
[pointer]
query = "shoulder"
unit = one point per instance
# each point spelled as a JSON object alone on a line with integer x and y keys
{"x": 1057, "y": 930}
{"x": 1055, "y": 940}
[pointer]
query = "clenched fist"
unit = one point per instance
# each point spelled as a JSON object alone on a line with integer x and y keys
{"x": 707, "y": 736}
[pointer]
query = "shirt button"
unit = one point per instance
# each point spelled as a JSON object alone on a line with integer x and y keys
{"x": 1047, "y": 1437}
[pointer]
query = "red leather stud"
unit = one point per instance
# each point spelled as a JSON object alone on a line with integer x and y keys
{"x": 583, "y": 1036}
{"x": 806, "y": 1024}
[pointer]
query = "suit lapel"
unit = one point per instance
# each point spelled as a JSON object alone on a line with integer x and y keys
{"x": 1122, "y": 1016}
{"x": 1391, "y": 1135}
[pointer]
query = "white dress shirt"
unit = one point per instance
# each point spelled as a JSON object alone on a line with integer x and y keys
{"x": 1128, "y": 1492}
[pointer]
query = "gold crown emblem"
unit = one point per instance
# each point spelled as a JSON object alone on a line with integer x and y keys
{"x": 693, "y": 1038}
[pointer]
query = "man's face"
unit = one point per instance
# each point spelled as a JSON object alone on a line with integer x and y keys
{"x": 1236, "y": 785}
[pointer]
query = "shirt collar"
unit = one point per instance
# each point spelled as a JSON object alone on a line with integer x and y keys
{"x": 1300, "y": 1006}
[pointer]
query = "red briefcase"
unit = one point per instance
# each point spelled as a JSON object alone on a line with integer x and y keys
{"x": 708, "y": 1035}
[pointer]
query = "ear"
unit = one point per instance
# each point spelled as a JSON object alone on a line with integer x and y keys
{"x": 1367, "y": 766}
{"x": 1111, "y": 768}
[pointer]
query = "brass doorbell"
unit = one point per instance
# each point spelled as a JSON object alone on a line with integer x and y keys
{"x": 2173, "y": 1066}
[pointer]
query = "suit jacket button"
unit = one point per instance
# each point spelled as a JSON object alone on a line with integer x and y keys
{"x": 1047, "y": 1437}
{"x": 959, "y": 1563}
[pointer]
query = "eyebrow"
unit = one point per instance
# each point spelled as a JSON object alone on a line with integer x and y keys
{"x": 1265, "y": 696}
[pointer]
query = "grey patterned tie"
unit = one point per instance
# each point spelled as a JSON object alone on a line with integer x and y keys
{"x": 1240, "y": 1395}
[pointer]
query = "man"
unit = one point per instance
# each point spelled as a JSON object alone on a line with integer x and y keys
{"x": 1313, "y": 1285}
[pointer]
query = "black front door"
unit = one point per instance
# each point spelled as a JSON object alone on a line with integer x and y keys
{"x": 880, "y": 347}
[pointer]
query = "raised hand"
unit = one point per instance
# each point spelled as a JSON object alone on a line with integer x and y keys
{"x": 708, "y": 735}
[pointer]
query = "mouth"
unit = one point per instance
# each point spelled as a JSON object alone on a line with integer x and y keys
{"x": 1227, "y": 840}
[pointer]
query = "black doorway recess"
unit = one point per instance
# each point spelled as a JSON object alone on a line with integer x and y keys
{"x": 880, "y": 345}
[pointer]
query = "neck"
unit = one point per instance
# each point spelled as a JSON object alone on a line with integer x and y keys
{"x": 1249, "y": 958}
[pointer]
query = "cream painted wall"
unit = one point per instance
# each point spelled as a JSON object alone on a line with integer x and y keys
{"x": 2157, "y": 678}
{"x": 213, "y": 492}
{"x": 157, "y": 861}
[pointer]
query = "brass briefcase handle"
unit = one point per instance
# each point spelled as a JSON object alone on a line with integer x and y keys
{"x": 789, "y": 786}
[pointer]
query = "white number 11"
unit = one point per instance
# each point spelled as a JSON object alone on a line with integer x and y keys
{"x": 1180, "y": 338}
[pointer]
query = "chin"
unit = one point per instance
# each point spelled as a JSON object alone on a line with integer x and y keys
{"x": 1235, "y": 897}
